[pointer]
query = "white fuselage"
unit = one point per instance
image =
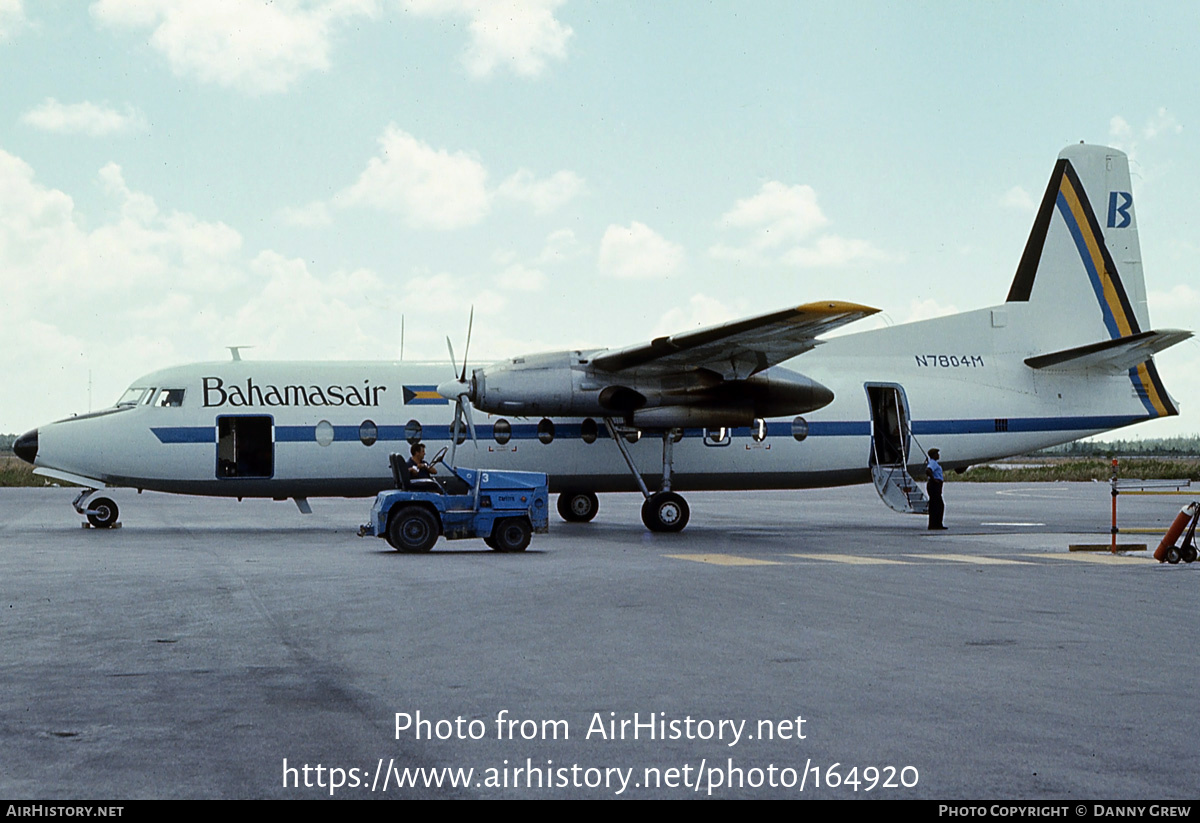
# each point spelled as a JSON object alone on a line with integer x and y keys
{"x": 300, "y": 429}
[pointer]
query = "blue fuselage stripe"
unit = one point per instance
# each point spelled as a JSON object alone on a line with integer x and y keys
{"x": 572, "y": 431}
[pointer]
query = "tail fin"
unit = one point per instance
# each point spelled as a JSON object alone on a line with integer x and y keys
{"x": 1081, "y": 272}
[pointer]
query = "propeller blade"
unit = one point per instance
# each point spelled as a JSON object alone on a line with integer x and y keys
{"x": 454, "y": 429}
{"x": 450, "y": 346}
{"x": 462, "y": 378}
{"x": 470, "y": 422}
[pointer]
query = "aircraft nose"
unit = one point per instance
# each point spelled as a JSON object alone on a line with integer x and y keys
{"x": 26, "y": 446}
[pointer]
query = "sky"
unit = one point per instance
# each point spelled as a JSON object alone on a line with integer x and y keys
{"x": 177, "y": 177}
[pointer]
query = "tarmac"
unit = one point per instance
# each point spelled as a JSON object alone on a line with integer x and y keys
{"x": 787, "y": 644}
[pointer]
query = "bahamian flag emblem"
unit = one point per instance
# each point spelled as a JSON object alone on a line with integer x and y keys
{"x": 423, "y": 396}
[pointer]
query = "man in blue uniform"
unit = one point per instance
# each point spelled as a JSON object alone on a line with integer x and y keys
{"x": 416, "y": 466}
{"x": 933, "y": 486}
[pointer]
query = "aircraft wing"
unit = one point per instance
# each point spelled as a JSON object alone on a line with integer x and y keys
{"x": 739, "y": 348}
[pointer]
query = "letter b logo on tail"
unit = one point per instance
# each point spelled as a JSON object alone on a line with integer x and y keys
{"x": 1119, "y": 209}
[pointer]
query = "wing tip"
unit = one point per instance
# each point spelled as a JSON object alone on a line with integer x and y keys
{"x": 831, "y": 307}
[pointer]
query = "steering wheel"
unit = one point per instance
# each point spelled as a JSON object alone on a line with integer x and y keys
{"x": 440, "y": 457}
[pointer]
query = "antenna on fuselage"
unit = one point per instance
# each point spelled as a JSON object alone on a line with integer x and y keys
{"x": 236, "y": 351}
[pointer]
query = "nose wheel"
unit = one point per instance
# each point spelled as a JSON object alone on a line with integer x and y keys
{"x": 101, "y": 512}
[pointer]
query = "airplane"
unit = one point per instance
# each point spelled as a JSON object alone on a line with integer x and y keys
{"x": 754, "y": 404}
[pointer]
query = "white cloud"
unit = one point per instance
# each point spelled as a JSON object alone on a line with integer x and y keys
{"x": 1163, "y": 122}
{"x": 783, "y": 224}
{"x": 311, "y": 216}
{"x": 519, "y": 277}
{"x": 777, "y": 214}
{"x": 521, "y": 35}
{"x": 543, "y": 195}
{"x": 560, "y": 247}
{"x": 700, "y": 311}
{"x": 1175, "y": 307}
{"x": 437, "y": 189}
{"x": 1018, "y": 198}
{"x": 445, "y": 294}
{"x": 146, "y": 287}
{"x": 832, "y": 250}
{"x": 638, "y": 252}
{"x": 292, "y": 307}
{"x": 12, "y": 15}
{"x": 428, "y": 188}
{"x": 251, "y": 46}
{"x": 92, "y": 119}
{"x": 1128, "y": 138}
{"x": 925, "y": 310}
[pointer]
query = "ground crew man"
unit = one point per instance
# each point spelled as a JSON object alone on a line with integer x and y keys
{"x": 933, "y": 486}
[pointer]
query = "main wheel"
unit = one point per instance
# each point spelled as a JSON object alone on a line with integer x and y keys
{"x": 412, "y": 529}
{"x": 511, "y": 534}
{"x": 665, "y": 512}
{"x": 102, "y": 513}
{"x": 578, "y": 507}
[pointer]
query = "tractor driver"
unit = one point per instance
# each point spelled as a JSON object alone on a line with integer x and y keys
{"x": 418, "y": 469}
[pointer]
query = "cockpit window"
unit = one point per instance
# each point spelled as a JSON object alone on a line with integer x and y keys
{"x": 169, "y": 398}
{"x": 133, "y": 396}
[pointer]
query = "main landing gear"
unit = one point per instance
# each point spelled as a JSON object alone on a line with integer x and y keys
{"x": 578, "y": 507}
{"x": 664, "y": 510}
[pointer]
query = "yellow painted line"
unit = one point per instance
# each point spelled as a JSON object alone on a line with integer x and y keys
{"x": 1110, "y": 559}
{"x": 853, "y": 560}
{"x": 970, "y": 558}
{"x": 724, "y": 560}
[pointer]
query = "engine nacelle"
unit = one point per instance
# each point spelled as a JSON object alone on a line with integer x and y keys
{"x": 537, "y": 384}
{"x": 560, "y": 384}
{"x": 681, "y": 417}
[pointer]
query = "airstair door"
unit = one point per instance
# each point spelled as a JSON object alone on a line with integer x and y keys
{"x": 891, "y": 437}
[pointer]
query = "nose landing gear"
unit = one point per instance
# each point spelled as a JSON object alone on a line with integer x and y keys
{"x": 101, "y": 512}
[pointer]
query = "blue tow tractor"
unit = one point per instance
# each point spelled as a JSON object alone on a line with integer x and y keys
{"x": 505, "y": 508}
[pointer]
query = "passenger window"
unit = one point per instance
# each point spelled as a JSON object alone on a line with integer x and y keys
{"x": 800, "y": 428}
{"x": 717, "y": 436}
{"x": 502, "y": 431}
{"x": 412, "y": 432}
{"x": 324, "y": 433}
{"x": 546, "y": 430}
{"x": 758, "y": 430}
{"x": 368, "y": 432}
{"x": 588, "y": 430}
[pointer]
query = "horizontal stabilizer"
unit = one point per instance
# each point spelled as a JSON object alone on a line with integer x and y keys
{"x": 1115, "y": 356}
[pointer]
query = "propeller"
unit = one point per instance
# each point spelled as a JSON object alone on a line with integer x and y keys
{"x": 459, "y": 391}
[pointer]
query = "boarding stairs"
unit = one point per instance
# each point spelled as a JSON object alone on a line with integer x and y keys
{"x": 899, "y": 490}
